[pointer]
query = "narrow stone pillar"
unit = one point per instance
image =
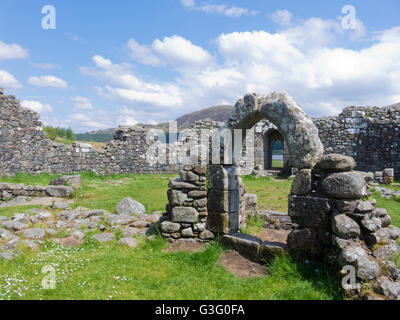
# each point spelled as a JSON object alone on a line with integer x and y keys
{"x": 223, "y": 199}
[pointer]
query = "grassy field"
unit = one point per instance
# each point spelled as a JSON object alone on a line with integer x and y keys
{"x": 96, "y": 271}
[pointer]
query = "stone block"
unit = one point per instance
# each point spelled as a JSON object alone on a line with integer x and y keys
{"x": 248, "y": 246}
{"x": 309, "y": 211}
{"x": 223, "y": 201}
{"x": 184, "y": 215}
{"x": 345, "y": 185}
{"x": 301, "y": 184}
{"x": 223, "y": 177}
{"x": 223, "y": 223}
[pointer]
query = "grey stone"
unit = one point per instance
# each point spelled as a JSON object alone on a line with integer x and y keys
{"x": 104, "y": 237}
{"x": 128, "y": 241}
{"x": 336, "y": 162}
{"x": 371, "y": 225}
{"x": 388, "y": 288}
{"x": 199, "y": 227}
{"x": 351, "y": 254}
{"x": 223, "y": 201}
{"x": 35, "y": 234}
{"x": 78, "y": 235}
{"x": 345, "y": 227}
{"x": 7, "y": 235}
{"x": 44, "y": 215}
{"x": 222, "y": 177}
{"x": 12, "y": 244}
{"x": 246, "y": 245}
{"x": 177, "y": 197}
{"x": 122, "y": 219}
{"x": 206, "y": 235}
{"x": 188, "y": 176}
{"x": 130, "y": 231}
{"x": 7, "y": 255}
{"x": 130, "y": 207}
{"x": 59, "y": 191}
{"x": 177, "y": 183}
{"x": 170, "y": 227}
{"x": 301, "y": 184}
{"x": 61, "y": 225}
{"x": 32, "y": 245}
{"x": 21, "y": 217}
{"x": 345, "y": 185}
{"x": 367, "y": 269}
{"x": 309, "y": 211}
{"x": 14, "y": 225}
{"x": 140, "y": 224}
{"x": 364, "y": 206}
{"x": 387, "y": 252}
{"x": 74, "y": 181}
{"x": 187, "y": 233}
{"x": 282, "y": 110}
{"x": 60, "y": 205}
{"x": 184, "y": 215}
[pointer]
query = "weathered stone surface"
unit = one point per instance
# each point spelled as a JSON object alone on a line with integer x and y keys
{"x": 59, "y": 191}
{"x": 187, "y": 233}
{"x": 336, "y": 163}
{"x": 188, "y": 176}
{"x": 248, "y": 246}
{"x": 364, "y": 207}
{"x": 14, "y": 225}
{"x": 345, "y": 227}
{"x": 367, "y": 268}
{"x": 77, "y": 235}
{"x": 130, "y": 207}
{"x": 35, "y": 234}
{"x": 301, "y": 184}
{"x": 170, "y": 227}
{"x": 309, "y": 211}
{"x": 389, "y": 233}
{"x": 351, "y": 254}
{"x": 184, "y": 215}
{"x": 371, "y": 225}
{"x": 206, "y": 235}
{"x": 223, "y": 201}
{"x": 303, "y": 239}
{"x": 60, "y": 205}
{"x": 197, "y": 194}
{"x": 223, "y": 177}
{"x": 104, "y": 237}
{"x": 177, "y": 183}
{"x": 282, "y": 110}
{"x": 128, "y": 241}
{"x": 122, "y": 219}
{"x": 7, "y": 235}
{"x": 223, "y": 223}
{"x": 7, "y": 255}
{"x": 130, "y": 231}
{"x": 74, "y": 181}
{"x": 345, "y": 185}
{"x": 387, "y": 252}
{"x": 388, "y": 288}
{"x": 140, "y": 224}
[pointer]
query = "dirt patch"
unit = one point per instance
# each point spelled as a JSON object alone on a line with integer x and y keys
{"x": 69, "y": 242}
{"x": 241, "y": 267}
{"x": 184, "y": 246}
{"x": 272, "y": 235}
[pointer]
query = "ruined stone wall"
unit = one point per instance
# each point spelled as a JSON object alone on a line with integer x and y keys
{"x": 370, "y": 135}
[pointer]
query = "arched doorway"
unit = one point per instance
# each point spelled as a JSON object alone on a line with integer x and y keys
{"x": 293, "y": 128}
{"x": 273, "y": 150}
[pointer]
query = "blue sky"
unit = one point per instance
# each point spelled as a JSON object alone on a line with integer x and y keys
{"x": 111, "y": 63}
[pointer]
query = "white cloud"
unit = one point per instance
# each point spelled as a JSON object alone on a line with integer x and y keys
{"x": 12, "y": 51}
{"x": 228, "y": 11}
{"x": 282, "y": 17}
{"x": 36, "y": 106}
{"x": 48, "y": 81}
{"x": 309, "y": 59}
{"x": 141, "y": 53}
{"x": 82, "y": 103}
{"x": 8, "y": 81}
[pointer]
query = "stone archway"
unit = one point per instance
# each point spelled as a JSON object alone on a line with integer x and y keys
{"x": 295, "y": 126}
{"x": 297, "y": 130}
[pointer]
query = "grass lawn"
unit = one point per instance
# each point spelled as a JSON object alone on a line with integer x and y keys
{"x": 272, "y": 193}
{"x": 96, "y": 271}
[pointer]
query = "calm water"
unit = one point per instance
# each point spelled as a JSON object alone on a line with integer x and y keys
{"x": 277, "y": 157}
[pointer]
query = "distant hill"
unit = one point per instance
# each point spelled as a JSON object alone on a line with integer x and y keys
{"x": 216, "y": 113}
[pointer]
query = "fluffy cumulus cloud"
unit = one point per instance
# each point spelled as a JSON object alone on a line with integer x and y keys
{"x": 48, "y": 81}
{"x": 82, "y": 103}
{"x": 12, "y": 51}
{"x": 8, "y": 81}
{"x": 37, "y": 106}
{"x": 226, "y": 10}
{"x": 314, "y": 60}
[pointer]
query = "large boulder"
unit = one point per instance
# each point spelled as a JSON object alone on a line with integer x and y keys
{"x": 73, "y": 181}
{"x": 336, "y": 163}
{"x": 345, "y": 185}
{"x": 130, "y": 207}
{"x": 35, "y": 234}
{"x": 345, "y": 227}
{"x": 59, "y": 191}
{"x": 301, "y": 185}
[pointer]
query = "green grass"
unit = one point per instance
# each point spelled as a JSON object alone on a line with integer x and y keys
{"x": 277, "y": 164}
{"x": 96, "y": 271}
{"x": 254, "y": 224}
{"x": 272, "y": 193}
{"x": 31, "y": 179}
{"x": 391, "y": 205}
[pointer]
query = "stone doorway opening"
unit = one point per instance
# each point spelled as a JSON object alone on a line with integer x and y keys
{"x": 275, "y": 151}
